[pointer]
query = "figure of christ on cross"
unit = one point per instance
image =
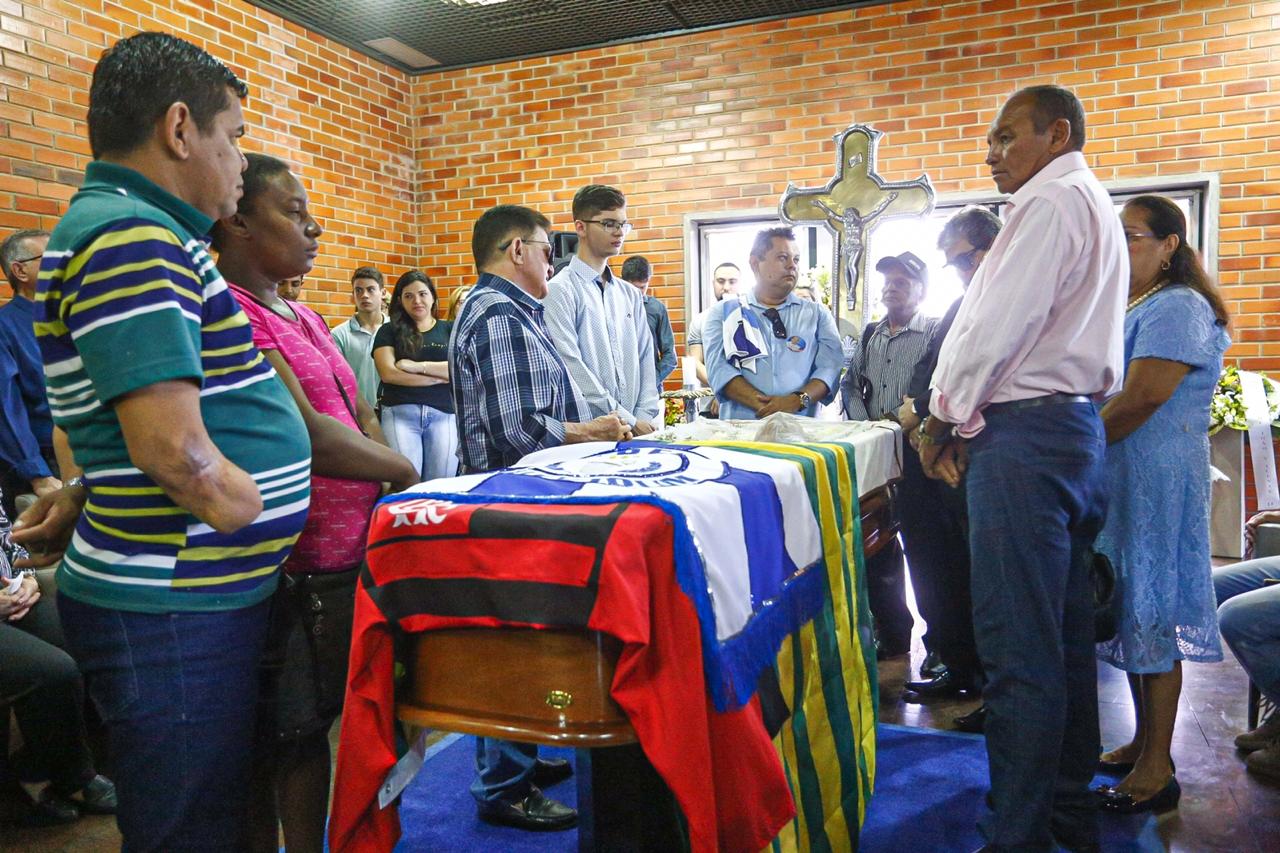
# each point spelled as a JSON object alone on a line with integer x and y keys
{"x": 840, "y": 204}
{"x": 852, "y": 226}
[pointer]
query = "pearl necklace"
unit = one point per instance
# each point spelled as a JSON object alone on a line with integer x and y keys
{"x": 1135, "y": 302}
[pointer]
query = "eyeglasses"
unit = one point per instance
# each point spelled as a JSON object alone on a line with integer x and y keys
{"x": 779, "y": 328}
{"x": 550, "y": 252}
{"x": 28, "y": 260}
{"x": 546, "y": 243}
{"x": 964, "y": 261}
{"x": 1135, "y": 237}
{"x": 623, "y": 227}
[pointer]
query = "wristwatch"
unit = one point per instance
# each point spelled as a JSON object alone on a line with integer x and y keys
{"x": 75, "y": 481}
{"x": 923, "y": 435}
{"x": 805, "y": 400}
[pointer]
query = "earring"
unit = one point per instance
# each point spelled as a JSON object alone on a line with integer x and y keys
{"x": 1164, "y": 265}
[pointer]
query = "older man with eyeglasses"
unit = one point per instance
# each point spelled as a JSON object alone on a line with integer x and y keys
{"x": 934, "y": 522}
{"x": 770, "y": 351}
{"x": 26, "y": 427}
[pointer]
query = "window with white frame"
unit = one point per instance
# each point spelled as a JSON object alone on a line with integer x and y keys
{"x": 719, "y": 239}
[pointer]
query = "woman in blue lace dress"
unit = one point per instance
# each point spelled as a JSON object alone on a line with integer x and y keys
{"x": 1157, "y": 530}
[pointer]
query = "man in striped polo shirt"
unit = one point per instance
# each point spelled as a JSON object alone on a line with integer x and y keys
{"x": 196, "y": 461}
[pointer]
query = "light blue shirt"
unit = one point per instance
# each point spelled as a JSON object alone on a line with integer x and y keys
{"x": 356, "y": 346}
{"x": 602, "y": 333}
{"x": 811, "y": 350}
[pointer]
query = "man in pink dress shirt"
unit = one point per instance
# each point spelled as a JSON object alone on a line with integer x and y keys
{"x": 1036, "y": 345}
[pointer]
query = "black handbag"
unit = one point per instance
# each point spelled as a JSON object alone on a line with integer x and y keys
{"x": 1106, "y": 604}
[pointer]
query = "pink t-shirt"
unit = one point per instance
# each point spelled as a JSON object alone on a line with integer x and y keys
{"x": 338, "y": 523}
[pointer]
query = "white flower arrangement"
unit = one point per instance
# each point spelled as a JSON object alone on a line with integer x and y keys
{"x": 1227, "y": 407}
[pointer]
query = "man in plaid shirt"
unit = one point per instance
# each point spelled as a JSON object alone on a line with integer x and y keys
{"x": 513, "y": 395}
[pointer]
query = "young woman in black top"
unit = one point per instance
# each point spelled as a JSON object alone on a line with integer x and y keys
{"x": 411, "y": 354}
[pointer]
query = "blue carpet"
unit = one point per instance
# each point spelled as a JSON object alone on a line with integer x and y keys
{"x": 929, "y": 796}
{"x": 437, "y": 812}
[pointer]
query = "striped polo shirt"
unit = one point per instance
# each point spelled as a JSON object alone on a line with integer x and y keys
{"x": 129, "y": 297}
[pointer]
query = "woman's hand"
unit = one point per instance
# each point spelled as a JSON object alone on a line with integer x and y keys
{"x": 408, "y": 365}
{"x": 14, "y": 607}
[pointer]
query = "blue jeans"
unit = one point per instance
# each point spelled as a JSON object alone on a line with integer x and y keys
{"x": 1037, "y": 499}
{"x": 504, "y": 770}
{"x": 427, "y": 437}
{"x": 178, "y": 694}
{"x": 1249, "y": 618}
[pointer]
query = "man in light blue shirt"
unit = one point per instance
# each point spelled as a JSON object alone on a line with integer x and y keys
{"x": 799, "y": 358}
{"x": 598, "y": 322}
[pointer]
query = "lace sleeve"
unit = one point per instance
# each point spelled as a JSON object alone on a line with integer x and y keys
{"x": 1178, "y": 325}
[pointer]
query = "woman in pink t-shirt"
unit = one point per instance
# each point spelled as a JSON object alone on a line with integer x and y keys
{"x": 272, "y": 237}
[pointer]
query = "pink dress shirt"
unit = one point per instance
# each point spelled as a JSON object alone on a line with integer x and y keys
{"x": 1045, "y": 312}
{"x": 338, "y": 521}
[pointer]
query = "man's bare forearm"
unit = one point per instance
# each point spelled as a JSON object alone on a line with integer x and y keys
{"x": 167, "y": 441}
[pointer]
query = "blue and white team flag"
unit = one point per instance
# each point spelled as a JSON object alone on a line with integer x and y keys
{"x": 743, "y": 342}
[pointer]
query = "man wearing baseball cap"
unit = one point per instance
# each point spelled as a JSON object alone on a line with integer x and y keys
{"x": 880, "y": 369}
{"x": 874, "y": 382}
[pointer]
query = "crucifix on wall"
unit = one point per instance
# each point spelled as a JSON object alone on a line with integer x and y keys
{"x": 851, "y": 205}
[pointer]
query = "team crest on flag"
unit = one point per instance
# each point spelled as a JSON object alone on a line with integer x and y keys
{"x": 634, "y": 467}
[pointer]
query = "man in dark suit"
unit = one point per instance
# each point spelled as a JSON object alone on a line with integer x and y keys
{"x": 933, "y": 514}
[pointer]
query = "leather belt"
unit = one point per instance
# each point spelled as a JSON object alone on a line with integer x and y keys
{"x": 1046, "y": 400}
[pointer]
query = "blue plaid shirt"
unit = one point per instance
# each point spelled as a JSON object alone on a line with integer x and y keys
{"x": 511, "y": 389}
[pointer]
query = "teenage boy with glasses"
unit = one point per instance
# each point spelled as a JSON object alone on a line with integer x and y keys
{"x": 598, "y": 322}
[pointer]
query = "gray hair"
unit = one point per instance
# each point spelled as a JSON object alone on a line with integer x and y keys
{"x": 977, "y": 225}
{"x": 15, "y": 246}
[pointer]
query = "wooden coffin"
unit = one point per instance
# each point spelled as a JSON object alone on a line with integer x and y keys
{"x": 543, "y": 686}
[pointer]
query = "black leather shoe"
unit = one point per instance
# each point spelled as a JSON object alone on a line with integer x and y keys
{"x": 1114, "y": 801}
{"x": 51, "y": 810}
{"x": 950, "y": 683}
{"x": 973, "y": 722}
{"x": 98, "y": 796}
{"x": 932, "y": 666}
{"x": 551, "y": 771}
{"x": 536, "y": 812}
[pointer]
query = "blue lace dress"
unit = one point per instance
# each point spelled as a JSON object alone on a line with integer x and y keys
{"x": 1157, "y": 530}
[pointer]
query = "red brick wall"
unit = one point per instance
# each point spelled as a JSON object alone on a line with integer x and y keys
{"x": 722, "y": 120}
{"x": 340, "y": 117}
{"x": 716, "y": 120}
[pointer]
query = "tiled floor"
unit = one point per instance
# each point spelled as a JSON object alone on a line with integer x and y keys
{"x": 1223, "y": 808}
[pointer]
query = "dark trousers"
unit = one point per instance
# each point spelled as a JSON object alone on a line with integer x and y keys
{"x": 47, "y": 695}
{"x": 1037, "y": 498}
{"x": 935, "y": 534}
{"x": 887, "y": 598}
{"x": 177, "y": 692}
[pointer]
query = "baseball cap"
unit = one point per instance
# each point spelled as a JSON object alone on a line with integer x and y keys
{"x": 908, "y": 263}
